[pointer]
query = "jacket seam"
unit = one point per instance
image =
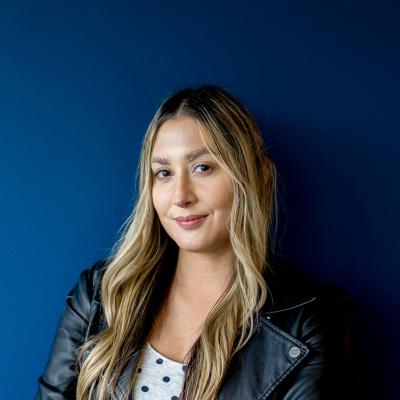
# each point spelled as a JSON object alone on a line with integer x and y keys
{"x": 292, "y": 307}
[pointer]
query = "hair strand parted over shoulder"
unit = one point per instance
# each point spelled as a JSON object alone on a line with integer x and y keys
{"x": 142, "y": 262}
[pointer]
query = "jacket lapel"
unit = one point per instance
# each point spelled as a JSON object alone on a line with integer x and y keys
{"x": 269, "y": 356}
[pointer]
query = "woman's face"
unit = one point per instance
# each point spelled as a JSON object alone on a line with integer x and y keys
{"x": 188, "y": 182}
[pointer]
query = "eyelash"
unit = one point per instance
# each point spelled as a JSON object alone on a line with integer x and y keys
{"x": 199, "y": 165}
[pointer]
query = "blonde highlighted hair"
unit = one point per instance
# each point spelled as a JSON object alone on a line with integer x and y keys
{"x": 142, "y": 262}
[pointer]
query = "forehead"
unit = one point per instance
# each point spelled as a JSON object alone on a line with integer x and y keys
{"x": 178, "y": 134}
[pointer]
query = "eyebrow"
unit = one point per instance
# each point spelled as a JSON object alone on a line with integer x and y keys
{"x": 192, "y": 155}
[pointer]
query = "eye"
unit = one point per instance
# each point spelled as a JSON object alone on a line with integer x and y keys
{"x": 203, "y": 165}
{"x": 156, "y": 174}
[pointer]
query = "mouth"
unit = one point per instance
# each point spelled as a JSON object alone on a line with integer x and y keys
{"x": 189, "y": 218}
{"x": 191, "y": 221}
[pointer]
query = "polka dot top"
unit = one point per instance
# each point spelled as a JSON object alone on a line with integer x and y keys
{"x": 158, "y": 377}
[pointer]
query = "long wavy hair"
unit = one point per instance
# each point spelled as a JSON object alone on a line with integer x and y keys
{"x": 142, "y": 261}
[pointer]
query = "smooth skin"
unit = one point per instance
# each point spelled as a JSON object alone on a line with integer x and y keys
{"x": 183, "y": 187}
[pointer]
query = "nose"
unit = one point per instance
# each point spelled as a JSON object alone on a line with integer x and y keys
{"x": 183, "y": 193}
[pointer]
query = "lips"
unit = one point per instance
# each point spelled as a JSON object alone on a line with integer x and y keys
{"x": 189, "y": 218}
{"x": 190, "y": 222}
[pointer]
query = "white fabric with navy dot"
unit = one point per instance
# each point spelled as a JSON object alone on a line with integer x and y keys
{"x": 159, "y": 378}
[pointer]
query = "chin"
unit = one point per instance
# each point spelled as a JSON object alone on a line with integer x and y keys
{"x": 192, "y": 246}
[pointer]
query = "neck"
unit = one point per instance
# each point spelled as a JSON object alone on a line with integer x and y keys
{"x": 202, "y": 277}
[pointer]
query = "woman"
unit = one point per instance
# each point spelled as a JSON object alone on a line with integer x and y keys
{"x": 189, "y": 304}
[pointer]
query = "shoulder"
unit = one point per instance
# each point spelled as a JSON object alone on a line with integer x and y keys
{"x": 85, "y": 297}
{"x": 89, "y": 281}
{"x": 87, "y": 290}
{"x": 291, "y": 289}
{"x": 288, "y": 286}
{"x": 96, "y": 270}
{"x": 296, "y": 301}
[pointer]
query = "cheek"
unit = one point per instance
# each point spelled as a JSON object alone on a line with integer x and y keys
{"x": 161, "y": 201}
{"x": 157, "y": 201}
{"x": 223, "y": 195}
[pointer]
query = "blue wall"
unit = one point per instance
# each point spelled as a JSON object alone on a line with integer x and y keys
{"x": 79, "y": 82}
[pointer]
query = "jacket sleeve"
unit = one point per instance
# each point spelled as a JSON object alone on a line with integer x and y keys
{"x": 58, "y": 382}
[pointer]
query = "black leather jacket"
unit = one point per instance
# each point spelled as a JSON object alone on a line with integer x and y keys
{"x": 300, "y": 350}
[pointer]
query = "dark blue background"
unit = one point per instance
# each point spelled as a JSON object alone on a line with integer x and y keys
{"x": 80, "y": 81}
